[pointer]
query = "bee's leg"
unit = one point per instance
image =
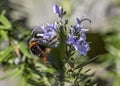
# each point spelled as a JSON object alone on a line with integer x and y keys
{"x": 48, "y": 50}
{"x": 44, "y": 57}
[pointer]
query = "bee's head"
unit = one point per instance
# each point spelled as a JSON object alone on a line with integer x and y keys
{"x": 37, "y": 33}
{"x": 37, "y": 36}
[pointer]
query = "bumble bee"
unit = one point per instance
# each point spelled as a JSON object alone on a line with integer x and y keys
{"x": 38, "y": 47}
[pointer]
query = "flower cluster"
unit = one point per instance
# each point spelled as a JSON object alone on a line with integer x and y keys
{"x": 76, "y": 37}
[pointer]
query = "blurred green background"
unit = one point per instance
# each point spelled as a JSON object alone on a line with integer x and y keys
{"x": 18, "y": 17}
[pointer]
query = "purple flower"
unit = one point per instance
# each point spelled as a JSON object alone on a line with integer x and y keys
{"x": 56, "y": 9}
{"x": 50, "y": 33}
{"x": 83, "y": 48}
{"x": 79, "y": 44}
{"x": 83, "y": 36}
{"x": 77, "y": 37}
{"x": 59, "y": 11}
{"x": 51, "y": 36}
{"x": 72, "y": 40}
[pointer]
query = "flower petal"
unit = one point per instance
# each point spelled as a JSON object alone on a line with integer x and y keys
{"x": 56, "y": 9}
